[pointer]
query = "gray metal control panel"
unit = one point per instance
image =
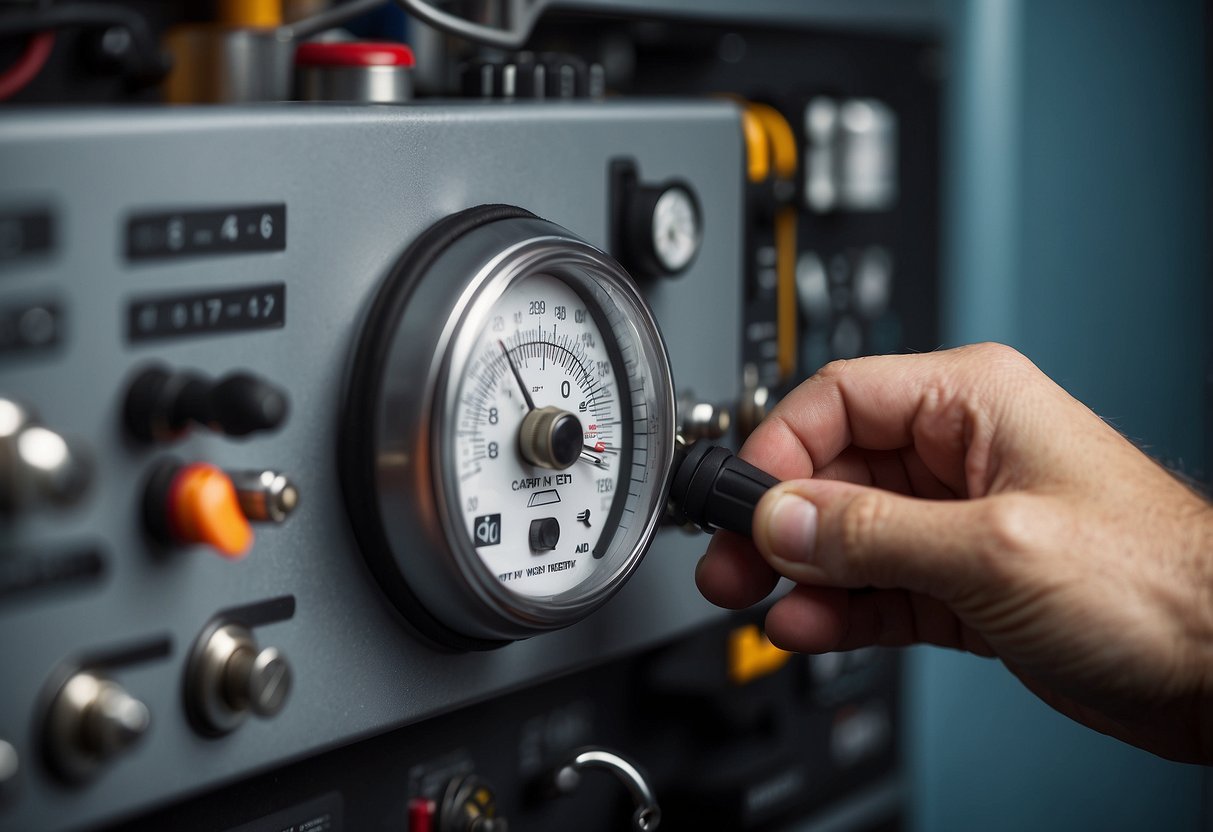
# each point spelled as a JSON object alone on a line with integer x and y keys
{"x": 253, "y": 241}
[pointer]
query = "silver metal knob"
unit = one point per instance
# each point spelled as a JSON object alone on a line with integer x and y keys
{"x": 755, "y": 402}
{"x": 702, "y": 420}
{"x": 92, "y": 720}
{"x": 265, "y": 496}
{"x": 230, "y": 676}
{"x": 257, "y": 680}
{"x": 36, "y": 463}
{"x": 550, "y": 438}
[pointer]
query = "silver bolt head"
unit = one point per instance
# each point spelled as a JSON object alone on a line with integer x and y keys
{"x": 117, "y": 720}
{"x": 269, "y": 682}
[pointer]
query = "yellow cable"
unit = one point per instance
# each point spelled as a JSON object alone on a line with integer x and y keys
{"x": 783, "y": 149}
{"x": 781, "y": 137}
{"x": 757, "y": 147}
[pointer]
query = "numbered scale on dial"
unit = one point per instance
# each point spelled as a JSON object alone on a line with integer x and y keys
{"x": 509, "y": 432}
{"x": 537, "y": 512}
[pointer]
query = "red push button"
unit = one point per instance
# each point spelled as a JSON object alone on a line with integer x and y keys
{"x": 354, "y": 54}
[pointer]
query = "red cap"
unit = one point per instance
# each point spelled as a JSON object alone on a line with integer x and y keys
{"x": 421, "y": 814}
{"x": 354, "y": 54}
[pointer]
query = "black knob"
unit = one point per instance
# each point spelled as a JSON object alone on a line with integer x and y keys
{"x": 161, "y": 404}
{"x": 544, "y": 534}
{"x": 534, "y": 76}
{"x": 715, "y": 490}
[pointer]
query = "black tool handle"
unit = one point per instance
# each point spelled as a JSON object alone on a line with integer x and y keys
{"x": 714, "y": 489}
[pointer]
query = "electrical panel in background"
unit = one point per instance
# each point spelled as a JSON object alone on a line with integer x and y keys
{"x": 338, "y": 404}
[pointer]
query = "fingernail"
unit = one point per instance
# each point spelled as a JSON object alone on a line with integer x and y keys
{"x": 792, "y": 529}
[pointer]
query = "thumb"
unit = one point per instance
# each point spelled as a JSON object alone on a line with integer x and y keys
{"x": 834, "y": 533}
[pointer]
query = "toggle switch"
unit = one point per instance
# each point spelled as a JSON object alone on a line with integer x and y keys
{"x": 196, "y": 503}
{"x": 161, "y": 404}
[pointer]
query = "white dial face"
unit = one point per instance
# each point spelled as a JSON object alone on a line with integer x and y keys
{"x": 541, "y": 529}
{"x": 675, "y": 229}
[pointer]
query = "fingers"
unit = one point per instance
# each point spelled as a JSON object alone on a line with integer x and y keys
{"x": 846, "y": 535}
{"x": 820, "y": 620}
{"x": 732, "y": 574}
{"x": 933, "y": 403}
{"x": 817, "y": 619}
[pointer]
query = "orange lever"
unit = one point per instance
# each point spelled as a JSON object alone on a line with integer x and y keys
{"x": 203, "y": 507}
{"x": 752, "y": 656}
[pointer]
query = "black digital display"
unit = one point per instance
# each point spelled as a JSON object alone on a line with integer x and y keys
{"x": 204, "y": 313}
{"x": 168, "y": 234}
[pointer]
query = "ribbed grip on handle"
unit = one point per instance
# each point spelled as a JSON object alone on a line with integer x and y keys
{"x": 714, "y": 489}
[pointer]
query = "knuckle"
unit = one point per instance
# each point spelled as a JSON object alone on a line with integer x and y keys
{"x": 993, "y": 355}
{"x": 860, "y": 526}
{"x": 1009, "y": 524}
{"x": 836, "y": 368}
{"x": 995, "y": 350}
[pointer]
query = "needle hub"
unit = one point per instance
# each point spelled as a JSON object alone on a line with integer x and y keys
{"x": 550, "y": 438}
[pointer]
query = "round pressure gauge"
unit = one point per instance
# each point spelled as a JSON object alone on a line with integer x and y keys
{"x": 509, "y": 433}
{"x": 662, "y": 228}
{"x": 675, "y": 228}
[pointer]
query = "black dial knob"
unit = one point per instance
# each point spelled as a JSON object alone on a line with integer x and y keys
{"x": 715, "y": 490}
{"x": 161, "y": 404}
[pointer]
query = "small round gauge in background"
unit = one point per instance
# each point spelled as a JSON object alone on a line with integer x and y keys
{"x": 663, "y": 228}
{"x": 675, "y": 229}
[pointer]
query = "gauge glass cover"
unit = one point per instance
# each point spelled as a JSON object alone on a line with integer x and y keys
{"x": 540, "y": 530}
{"x": 510, "y": 434}
{"x": 546, "y": 543}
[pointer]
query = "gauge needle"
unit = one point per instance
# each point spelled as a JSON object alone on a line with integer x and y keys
{"x": 526, "y": 394}
{"x": 588, "y": 451}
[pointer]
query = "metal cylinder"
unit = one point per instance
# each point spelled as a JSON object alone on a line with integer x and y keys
{"x": 230, "y": 676}
{"x": 365, "y": 72}
{"x": 91, "y": 720}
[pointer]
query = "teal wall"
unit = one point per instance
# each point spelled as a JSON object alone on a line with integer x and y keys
{"x": 1078, "y": 231}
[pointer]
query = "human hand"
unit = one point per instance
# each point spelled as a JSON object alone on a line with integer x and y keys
{"x": 963, "y": 499}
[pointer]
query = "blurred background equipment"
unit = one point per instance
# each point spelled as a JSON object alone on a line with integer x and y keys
{"x": 305, "y": 285}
